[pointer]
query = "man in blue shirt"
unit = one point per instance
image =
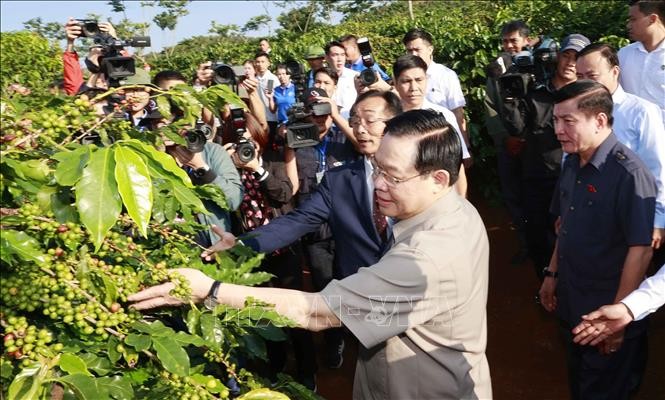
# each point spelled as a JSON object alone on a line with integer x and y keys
{"x": 354, "y": 59}
{"x": 605, "y": 203}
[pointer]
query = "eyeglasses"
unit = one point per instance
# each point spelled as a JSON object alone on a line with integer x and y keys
{"x": 391, "y": 181}
{"x": 368, "y": 124}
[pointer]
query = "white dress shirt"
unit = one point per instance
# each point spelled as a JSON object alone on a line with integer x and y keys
{"x": 643, "y": 73}
{"x": 648, "y": 297}
{"x": 450, "y": 117}
{"x": 443, "y": 87}
{"x": 346, "y": 94}
{"x": 637, "y": 124}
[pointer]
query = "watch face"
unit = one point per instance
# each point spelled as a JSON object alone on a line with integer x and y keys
{"x": 210, "y": 303}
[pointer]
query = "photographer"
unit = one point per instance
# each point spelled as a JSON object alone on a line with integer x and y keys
{"x": 354, "y": 59}
{"x": 72, "y": 74}
{"x": 210, "y": 164}
{"x": 514, "y": 39}
{"x": 326, "y": 78}
{"x": 528, "y": 117}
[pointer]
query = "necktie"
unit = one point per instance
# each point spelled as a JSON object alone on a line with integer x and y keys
{"x": 379, "y": 220}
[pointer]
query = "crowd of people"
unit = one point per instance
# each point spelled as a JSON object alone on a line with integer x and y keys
{"x": 376, "y": 206}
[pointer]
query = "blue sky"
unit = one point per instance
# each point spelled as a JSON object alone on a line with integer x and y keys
{"x": 197, "y": 22}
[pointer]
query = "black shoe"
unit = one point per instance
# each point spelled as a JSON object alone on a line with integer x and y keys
{"x": 335, "y": 354}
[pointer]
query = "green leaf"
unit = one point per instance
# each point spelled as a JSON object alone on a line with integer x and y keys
{"x": 97, "y": 196}
{"x": 27, "y": 384}
{"x": 163, "y": 106}
{"x": 73, "y": 364}
{"x": 263, "y": 394}
{"x": 185, "y": 339}
{"x": 70, "y": 165}
{"x": 113, "y": 354}
{"x": 119, "y": 387}
{"x": 255, "y": 346}
{"x": 204, "y": 380}
{"x": 139, "y": 342}
{"x": 134, "y": 185}
{"x": 187, "y": 197}
{"x": 172, "y": 355}
{"x": 161, "y": 163}
{"x": 138, "y": 376}
{"x": 156, "y": 328}
{"x": 193, "y": 319}
{"x": 23, "y": 245}
{"x": 101, "y": 366}
{"x": 271, "y": 332}
{"x": 211, "y": 329}
{"x": 61, "y": 205}
{"x": 85, "y": 387}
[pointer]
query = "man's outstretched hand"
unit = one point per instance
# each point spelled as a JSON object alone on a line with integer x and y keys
{"x": 225, "y": 242}
{"x": 600, "y": 324}
{"x": 160, "y": 295}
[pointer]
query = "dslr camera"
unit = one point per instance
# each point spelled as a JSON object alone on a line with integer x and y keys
{"x": 367, "y": 76}
{"x": 225, "y": 74}
{"x": 196, "y": 138}
{"x": 244, "y": 147}
{"x": 112, "y": 63}
{"x": 529, "y": 70}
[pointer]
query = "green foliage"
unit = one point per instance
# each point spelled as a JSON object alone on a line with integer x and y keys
{"x": 50, "y": 30}
{"x": 83, "y": 227}
{"x": 28, "y": 59}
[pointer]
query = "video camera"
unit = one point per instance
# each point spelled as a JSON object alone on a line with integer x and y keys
{"x": 367, "y": 76}
{"x": 196, "y": 138}
{"x": 244, "y": 147}
{"x": 112, "y": 63}
{"x": 300, "y": 132}
{"x": 529, "y": 70}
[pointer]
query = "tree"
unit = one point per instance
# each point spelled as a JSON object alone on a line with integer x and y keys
{"x": 224, "y": 30}
{"x": 173, "y": 9}
{"x": 303, "y": 15}
{"x": 255, "y": 23}
{"x": 29, "y": 59}
{"x": 50, "y": 30}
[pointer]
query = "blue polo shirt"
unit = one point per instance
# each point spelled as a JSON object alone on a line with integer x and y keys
{"x": 606, "y": 206}
{"x": 285, "y": 97}
{"x": 359, "y": 66}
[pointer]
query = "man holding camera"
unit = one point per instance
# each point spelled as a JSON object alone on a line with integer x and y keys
{"x": 527, "y": 115}
{"x": 354, "y": 57}
{"x": 514, "y": 39}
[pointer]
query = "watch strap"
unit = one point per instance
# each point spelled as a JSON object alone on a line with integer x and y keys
{"x": 211, "y": 299}
{"x": 548, "y": 273}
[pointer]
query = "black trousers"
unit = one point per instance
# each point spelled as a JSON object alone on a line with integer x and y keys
{"x": 536, "y": 199}
{"x": 593, "y": 376}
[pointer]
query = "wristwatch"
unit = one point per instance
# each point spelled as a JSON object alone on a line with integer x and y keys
{"x": 210, "y": 301}
{"x": 551, "y": 274}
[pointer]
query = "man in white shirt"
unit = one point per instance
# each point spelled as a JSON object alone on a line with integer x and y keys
{"x": 643, "y": 62}
{"x": 599, "y": 324}
{"x": 265, "y": 77}
{"x": 411, "y": 82}
{"x": 443, "y": 85}
{"x": 637, "y": 123}
{"x": 346, "y": 94}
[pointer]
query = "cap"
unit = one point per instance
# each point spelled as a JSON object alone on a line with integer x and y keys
{"x": 312, "y": 94}
{"x": 140, "y": 77}
{"x": 314, "y": 52}
{"x": 575, "y": 42}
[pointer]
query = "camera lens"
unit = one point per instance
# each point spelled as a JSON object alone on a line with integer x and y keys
{"x": 367, "y": 77}
{"x": 195, "y": 141}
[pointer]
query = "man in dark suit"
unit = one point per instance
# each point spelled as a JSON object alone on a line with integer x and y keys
{"x": 344, "y": 199}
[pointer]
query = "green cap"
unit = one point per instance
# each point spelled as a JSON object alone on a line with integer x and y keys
{"x": 140, "y": 77}
{"x": 314, "y": 52}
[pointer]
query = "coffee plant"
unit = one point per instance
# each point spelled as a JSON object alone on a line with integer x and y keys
{"x": 85, "y": 225}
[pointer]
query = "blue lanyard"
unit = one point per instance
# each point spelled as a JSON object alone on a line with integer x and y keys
{"x": 321, "y": 148}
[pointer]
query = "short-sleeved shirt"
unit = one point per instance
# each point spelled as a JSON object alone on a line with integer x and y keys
{"x": 263, "y": 84}
{"x": 420, "y": 312}
{"x": 643, "y": 73}
{"x": 605, "y": 207}
{"x": 284, "y": 98}
{"x": 443, "y": 87}
{"x": 346, "y": 94}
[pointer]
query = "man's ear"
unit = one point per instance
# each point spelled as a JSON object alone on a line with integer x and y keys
{"x": 441, "y": 178}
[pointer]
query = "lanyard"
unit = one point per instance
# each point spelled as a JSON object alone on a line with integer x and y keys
{"x": 321, "y": 148}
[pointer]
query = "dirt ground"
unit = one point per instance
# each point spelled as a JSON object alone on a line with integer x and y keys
{"x": 525, "y": 352}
